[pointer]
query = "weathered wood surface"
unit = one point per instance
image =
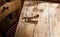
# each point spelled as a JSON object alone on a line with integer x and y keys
{"x": 48, "y": 24}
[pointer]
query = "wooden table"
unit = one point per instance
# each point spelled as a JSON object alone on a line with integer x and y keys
{"x": 39, "y": 19}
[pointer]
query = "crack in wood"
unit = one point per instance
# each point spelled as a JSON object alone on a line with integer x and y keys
{"x": 28, "y": 19}
{"x": 36, "y": 16}
{"x": 31, "y": 21}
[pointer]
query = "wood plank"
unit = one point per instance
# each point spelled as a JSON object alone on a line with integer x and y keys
{"x": 25, "y": 29}
{"x": 48, "y": 24}
{"x": 12, "y": 6}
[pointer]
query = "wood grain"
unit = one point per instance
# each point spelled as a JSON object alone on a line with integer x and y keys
{"x": 48, "y": 24}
